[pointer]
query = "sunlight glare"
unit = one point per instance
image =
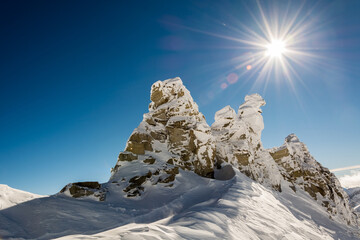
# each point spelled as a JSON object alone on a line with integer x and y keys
{"x": 276, "y": 48}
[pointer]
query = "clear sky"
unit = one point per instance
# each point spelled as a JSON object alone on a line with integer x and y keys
{"x": 75, "y": 78}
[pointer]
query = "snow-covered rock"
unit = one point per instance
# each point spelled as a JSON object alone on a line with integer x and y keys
{"x": 10, "y": 196}
{"x": 302, "y": 171}
{"x": 85, "y": 189}
{"x": 172, "y": 135}
{"x": 174, "y": 140}
{"x": 238, "y": 141}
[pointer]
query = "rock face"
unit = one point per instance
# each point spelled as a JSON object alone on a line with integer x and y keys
{"x": 302, "y": 171}
{"x": 174, "y": 137}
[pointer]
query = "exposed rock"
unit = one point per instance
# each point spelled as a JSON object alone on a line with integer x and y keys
{"x": 149, "y": 160}
{"x": 138, "y": 143}
{"x": 127, "y": 156}
{"x": 84, "y": 189}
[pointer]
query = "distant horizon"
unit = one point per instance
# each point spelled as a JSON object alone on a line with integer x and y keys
{"x": 76, "y": 78}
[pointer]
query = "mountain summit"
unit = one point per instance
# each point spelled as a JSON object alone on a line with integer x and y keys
{"x": 174, "y": 138}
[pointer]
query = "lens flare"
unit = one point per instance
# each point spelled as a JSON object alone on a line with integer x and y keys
{"x": 232, "y": 78}
{"x": 223, "y": 85}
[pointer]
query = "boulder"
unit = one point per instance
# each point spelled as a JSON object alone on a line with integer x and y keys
{"x": 85, "y": 189}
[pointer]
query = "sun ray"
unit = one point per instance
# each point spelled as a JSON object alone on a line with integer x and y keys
{"x": 265, "y": 21}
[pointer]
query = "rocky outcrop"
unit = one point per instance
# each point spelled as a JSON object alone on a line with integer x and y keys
{"x": 85, "y": 189}
{"x": 173, "y": 133}
{"x": 238, "y": 141}
{"x": 302, "y": 171}
{"x": 174, "y": 137}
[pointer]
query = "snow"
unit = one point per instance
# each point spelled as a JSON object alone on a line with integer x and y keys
{"x": 226, "y": 172}
{"x": 354, "y": 196}
{"x": 10, "y": 196}
{"x": 225, "y": 113}
{"x": 250, "y": 112}
{"x": 198, "y": 208}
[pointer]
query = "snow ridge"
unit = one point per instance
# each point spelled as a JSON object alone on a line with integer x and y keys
{"x": 10, "y": 197}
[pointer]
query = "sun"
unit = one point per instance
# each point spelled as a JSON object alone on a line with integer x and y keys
{"x": 276, "y": 48}
{"x": 273, "y": 46}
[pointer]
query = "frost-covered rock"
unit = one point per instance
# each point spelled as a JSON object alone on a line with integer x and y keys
{"x": 172, "y": 135}
{"x": 238, "y": 141}
{"x": 303, "y": 172}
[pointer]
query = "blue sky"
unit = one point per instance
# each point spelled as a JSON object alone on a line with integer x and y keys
{"x": 75, "y": 78}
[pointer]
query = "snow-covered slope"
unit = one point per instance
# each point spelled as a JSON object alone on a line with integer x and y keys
{"x": 198, "y": 208}
{"x": 354, "y": 195}
{"x": 10, "y": 196}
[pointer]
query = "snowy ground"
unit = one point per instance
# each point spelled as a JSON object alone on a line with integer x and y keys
{"x": 10, "y": 197}
{"x": 198, "y": 208}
